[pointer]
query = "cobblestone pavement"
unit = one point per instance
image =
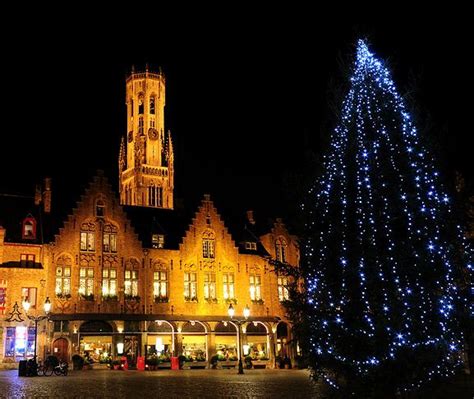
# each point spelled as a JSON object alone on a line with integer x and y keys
{"x": 167, "y": 384}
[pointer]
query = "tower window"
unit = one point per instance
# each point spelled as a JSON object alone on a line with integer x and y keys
{"x": 29, "y": 229}
{"x": 152, "y": 105}
{"x": 140, "y": 126}
{"x": 131, "y": 107}
{"x": 155, "y": 195}
{"x": 141, "y": 106}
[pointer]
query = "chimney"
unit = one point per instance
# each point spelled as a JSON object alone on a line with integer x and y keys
{"x": 47, "y": 195}
{"x": 250, "y": 217}
{"x": 38, "y": 194}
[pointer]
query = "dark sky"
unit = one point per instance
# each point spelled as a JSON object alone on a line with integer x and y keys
{"x": 244, "y": 101}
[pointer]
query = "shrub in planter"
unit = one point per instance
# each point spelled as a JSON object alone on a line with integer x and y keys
{"x": 182, "y": 359}
{"x": 248, "y": 362}
{"x": 77, "y": 362}
{"x": 214, "y": 360}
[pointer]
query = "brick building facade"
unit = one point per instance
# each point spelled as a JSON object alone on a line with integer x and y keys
{"x": 130, "y": 276}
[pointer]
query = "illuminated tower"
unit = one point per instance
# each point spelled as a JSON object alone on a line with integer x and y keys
{"x": 146, "y": 153}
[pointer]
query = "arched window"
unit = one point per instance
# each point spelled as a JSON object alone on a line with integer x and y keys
{"x": 87, "y": 237}
{"x": 280, "y": 249}
{"x": 63, "y": 276}
{"x": 141, "y": 105}
{"x": 152, "y": 105}
{"x": 155, "y": 196}
{"x": 140, "y": 126}
{"x": 109, "y": 239}
{"x": 100, "y": 208}
{"x": 29, "y": 228}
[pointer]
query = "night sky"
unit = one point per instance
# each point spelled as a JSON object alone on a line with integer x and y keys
{"x": 244, "y": 101}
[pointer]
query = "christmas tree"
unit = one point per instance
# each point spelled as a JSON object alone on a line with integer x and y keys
{"x": 383, "y": 259}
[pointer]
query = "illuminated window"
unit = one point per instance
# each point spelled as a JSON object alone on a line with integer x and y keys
{"x": 109, "y": 239}
{"x": 131, "y": 282}
{"x": 158, "y": 241}
{"x": 87, "y": 241}
{"x": 109, "y": 282}
{"x": 86, "y": 281}
{"x": 251, "y": 245}
{"x": 283, "y": 288}
{"x": 29, "y": 294}
{"x": 29, "y": 229}
{"x": 209, "y": 285}
{"x": 20, "y": 342}
{"x": 152, "y": 105}
{"x": 280, "y": 249}
{"x": 27, "y": 260}
{"x": 228, "y": 285}
{"x": 255, "y": 287}
{"x": 63, "y": 280}
{"x": 208, "y": 245}
{"x": 190, "y": 286}
{"x": 160, "y": 284}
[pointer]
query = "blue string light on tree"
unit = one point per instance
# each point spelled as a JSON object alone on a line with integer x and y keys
{"x": 382, "y": 263}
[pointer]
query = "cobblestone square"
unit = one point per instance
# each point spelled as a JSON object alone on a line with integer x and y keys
{"x": 164, "y": 383}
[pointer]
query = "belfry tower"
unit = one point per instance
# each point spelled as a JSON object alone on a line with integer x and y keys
{"x": 146, "y": 170}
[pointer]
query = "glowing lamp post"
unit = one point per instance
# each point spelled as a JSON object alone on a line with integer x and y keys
{"x": 239, "y": 323}
{"x": 47, "y": 308}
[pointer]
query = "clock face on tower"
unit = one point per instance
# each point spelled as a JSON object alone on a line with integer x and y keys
{"x": 152, "y": 133}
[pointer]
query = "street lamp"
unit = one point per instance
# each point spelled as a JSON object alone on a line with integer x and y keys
{"x": 47, "y": 308}
{"x": 239, "y": 323}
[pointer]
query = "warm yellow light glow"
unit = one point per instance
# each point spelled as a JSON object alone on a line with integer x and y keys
{"x": 120, "y": 348}
{"x": 120, "y": 330}
{"x": 26, "y": 305}
{"x": 47, "y": 305}
{"x": 179, "y": 329}
{"x": 247, "y": 312}
{"x": 246, "y": 349}
{"x": 75, "y": 329}
{"x": 231, "y": 311}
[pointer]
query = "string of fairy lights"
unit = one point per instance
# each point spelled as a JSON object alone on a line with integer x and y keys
{"x": 377, "y": 176}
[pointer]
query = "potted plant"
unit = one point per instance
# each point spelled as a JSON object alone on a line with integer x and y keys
{"x": 161, "y": 299}
{"x": 152, "y": 361}
{"x": 87, "y": 297}
{"x": 129, "y": 297}
{"x": 248, "y": 362}
{"x": 182, "y": 359}
{"x": 214, "y": 361}
{"x": 116, "y": 364}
